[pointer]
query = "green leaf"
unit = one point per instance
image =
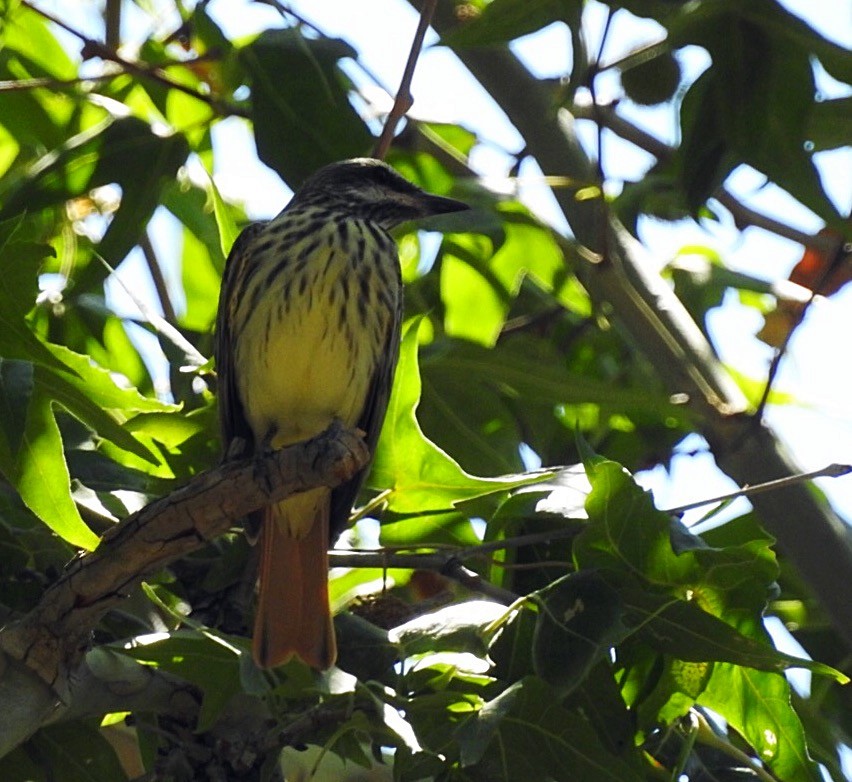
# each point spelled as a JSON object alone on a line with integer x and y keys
{"x": 502, "y": 21}
{"x": 525, "y": 733}
{"x": 102, "y": 390}
{"x": 830, "y": 125}
{"x": 201, "y": 284}
{"x": 466, "y": 289}
{"x": 579, "y": 621}
{"x": 463, "y": 627}
{"x": 599, "y": 699}
{"x": 757, "y": 705}
{"x": 311, "y": 111}
{"x": 774, "y": 18}
{"x": 225, "y": 224}
{"x": 41, "y": 475}
{"x": 685, "y": 598}
{"x": 684, "y": 630}
{"x": 28, "y": 33}
{"x": 675, "y": 691}
{"x": 755, "y": 101}
{"x": 480, "y": 402}
{"x": 73, "y": 751}
{"x": 452, "y": 528}
{"x": 511, "y": 648}
{"x": 482, "y": 276}
{"x": 92, "y": 395}
{"x": 210, "y": 663}
{"x": 123, "y": 151}
{"x": 416, "y": 474}
{"x": 19, "y": 264}
{"x": 704, "y": 155}
{"x": 16, "y": 390}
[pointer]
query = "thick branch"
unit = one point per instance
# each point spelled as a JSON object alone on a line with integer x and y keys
{"x": 52, "y": 637}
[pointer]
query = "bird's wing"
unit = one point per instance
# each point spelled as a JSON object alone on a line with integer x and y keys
{"x": 370, "y": 422}
{"x": 232, "y": 420}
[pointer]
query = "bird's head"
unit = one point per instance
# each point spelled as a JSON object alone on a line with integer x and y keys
{"x": 372, "y": 190}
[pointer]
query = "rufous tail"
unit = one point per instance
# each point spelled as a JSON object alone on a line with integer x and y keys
{"x": 293, "y": 615}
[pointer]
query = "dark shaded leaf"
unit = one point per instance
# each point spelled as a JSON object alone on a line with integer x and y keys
{"x": 502, "y": 21}
{"x": 70, "y": 752}
{"x": 755, "y": 101}
{"x": 208, "y": 661}
{"x": 300, "y": 107}
{"x": 579, "y": 620}
{"x": 16, "y": 389}
{"x": 496, "y": 742}
{"x": 19, "y": 262}
{"x": 830, "y": 125}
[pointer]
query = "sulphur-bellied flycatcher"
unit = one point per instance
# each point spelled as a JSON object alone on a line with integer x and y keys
{"x": 308, "y": 331}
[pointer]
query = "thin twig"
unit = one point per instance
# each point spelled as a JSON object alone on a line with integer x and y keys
{"x": 593, "y": 72}
{"x": 475, "y": 583}
{"x": 404, "y": 100}
{"x": 50, "y": 83}
{"x": 439, "y": 555}
{"x": 20, "y": 85}
{"x": 159, "y": 323}
{"x": 157, "y": 277}
{"x": 93, "y": 48}
{"x": 831, "y": 471}
{"x": 286, "y": 11}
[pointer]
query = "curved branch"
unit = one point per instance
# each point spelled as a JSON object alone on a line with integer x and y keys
{"x": 51, "y": 639}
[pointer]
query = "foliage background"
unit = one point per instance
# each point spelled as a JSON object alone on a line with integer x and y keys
{"x": 640, "y": 635}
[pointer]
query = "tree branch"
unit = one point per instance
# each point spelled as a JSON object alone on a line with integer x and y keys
{"x": 51, "y": 638}
{"x": 404, "y": 100}
{"x": 93, "y": 48}
{"x": 649, "y": 313}
{"x": 157, "y": 277}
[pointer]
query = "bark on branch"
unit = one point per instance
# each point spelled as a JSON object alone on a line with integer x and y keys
{"x": 51, "y": 639}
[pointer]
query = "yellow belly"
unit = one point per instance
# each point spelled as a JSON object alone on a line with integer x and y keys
{"x": 309, "y": 353}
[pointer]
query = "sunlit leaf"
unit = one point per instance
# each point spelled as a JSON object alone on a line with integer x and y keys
{"x": 418, "y": 475}
{"x": 42, "y": 477}
{"x": 757, "y": 705}
{"x": 462, "y": 627}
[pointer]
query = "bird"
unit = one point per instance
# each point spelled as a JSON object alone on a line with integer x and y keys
{"x": 307, "y": 332}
